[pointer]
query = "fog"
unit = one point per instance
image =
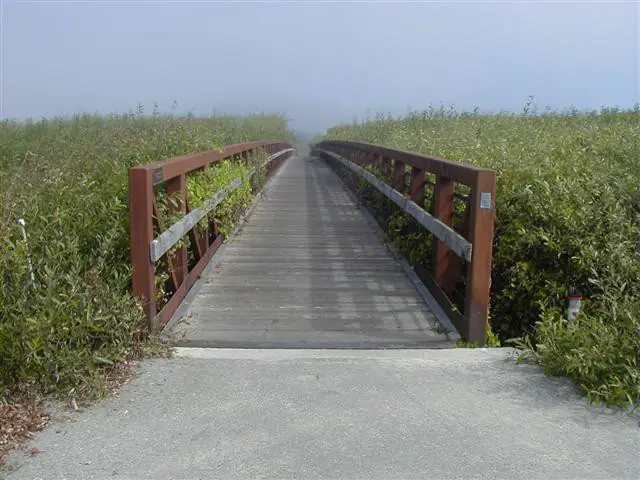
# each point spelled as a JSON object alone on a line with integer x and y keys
{"x": 319, "y": 63}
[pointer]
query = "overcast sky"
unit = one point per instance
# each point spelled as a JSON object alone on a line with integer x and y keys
{"x": 318, "y": 62}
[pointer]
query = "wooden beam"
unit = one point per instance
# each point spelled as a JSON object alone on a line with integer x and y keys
{"x": 456, "y": 242}
{"x": 167, "y": 239}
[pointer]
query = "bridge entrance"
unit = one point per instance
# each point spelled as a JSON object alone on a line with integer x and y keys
{"x": 306, "y": 270}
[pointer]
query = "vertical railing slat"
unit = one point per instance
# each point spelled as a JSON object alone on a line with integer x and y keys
{"x": 443, "y": 210}
{"x": 142, "y": 217}
{"x": 477, "y": 227}
{"x": 416, "y": 188}
{"x": 176, "y": 188}
{"x": 398, "y": 177}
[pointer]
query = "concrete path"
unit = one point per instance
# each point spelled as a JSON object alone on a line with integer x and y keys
{"x": 419, "y": 414}
{"x": 307, "y": 269}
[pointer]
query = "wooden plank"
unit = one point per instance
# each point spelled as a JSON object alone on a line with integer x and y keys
{"x": 457, "y": 171}
{"x": 173, "y": 167}
{"x": 416, "y": 187}
{"x": 178, "y": 260}
{"x": 456, "y": 317}
{"x": 198, "y": 242}
{"x": 167, "y": 239}
{"x": 481, "y": 222}
{"x": 161, "y": 319}
{"x": 141, "y": 197}
{"x": 399, "y": 180}
{"x": 442, "y": 210}
{"x": 456, "y": 242}
{"x": 455, "y": 264}
{"x": 347, "y": 287}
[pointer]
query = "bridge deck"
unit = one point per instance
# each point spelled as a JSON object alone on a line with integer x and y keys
{"x": 306, "y": 270}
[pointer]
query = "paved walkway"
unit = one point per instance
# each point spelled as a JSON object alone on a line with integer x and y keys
{"x": 307, "y": 269}
{"x": 281, "y": 414}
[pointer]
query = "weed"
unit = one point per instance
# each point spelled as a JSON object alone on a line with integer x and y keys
{"x": 67, "y": 178}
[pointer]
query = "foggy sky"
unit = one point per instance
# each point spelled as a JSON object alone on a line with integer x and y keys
{"x": 318, "y": 62}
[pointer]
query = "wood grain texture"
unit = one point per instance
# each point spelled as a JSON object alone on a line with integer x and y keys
{"x": 307, "y": 269}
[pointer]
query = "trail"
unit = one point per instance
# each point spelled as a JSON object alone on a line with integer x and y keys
{"x": 320, "y": 414}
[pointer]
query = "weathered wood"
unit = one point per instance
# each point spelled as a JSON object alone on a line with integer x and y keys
{"x": 199, "y": 240}
{"x": 141, "y": 219}
{"x": 399, "y": 177}
{"x": 416, "y": 187}
{"x": 167, "y": 239}
{"x": 443, "y": 211}
{"x": 481, "y": 222}
{"x": 456, "y": 242}
{"x": 307, "y": 269}
{"x": 173, "y": 167}
{"x": 455, "y": 264}
{"x": 178, "y": 259}
{"x": 457, "y": 171}
{"x": 163, "y": 316}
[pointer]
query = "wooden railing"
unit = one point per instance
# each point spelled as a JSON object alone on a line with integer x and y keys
{"x": 146, "y": 250}
{"x": 460, "y": 255}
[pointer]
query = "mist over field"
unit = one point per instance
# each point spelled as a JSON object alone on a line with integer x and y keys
{"x": 320, "y": 63}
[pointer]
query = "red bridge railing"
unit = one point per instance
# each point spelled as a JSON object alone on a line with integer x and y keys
{"x": 185, "y": 262}
{"x": 461, "y": 254}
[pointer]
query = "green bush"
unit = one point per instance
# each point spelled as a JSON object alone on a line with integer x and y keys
{"x": 202, "y": 185}
{"x": 567, "y": 202}
{"x": 67, "y": 178}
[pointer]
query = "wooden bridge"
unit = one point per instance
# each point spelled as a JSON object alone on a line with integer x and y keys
{"x": 307, "y": 266}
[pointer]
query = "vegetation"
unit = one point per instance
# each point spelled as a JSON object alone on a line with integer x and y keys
{"x": 66, "y": 311}
{"x": 567, "y": 207}
{"x": 202, "y": 185}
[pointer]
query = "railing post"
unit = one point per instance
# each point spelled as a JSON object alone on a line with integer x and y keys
{"x": 178, "y": 264}
{"x": 387, "y": 168}
{"x": 398, "y": 177}
{"x": 443, "y": 210}
{"x": 416, "y": 188}
{"x": 141, "y": 228}
{"x": 481, "y": 220}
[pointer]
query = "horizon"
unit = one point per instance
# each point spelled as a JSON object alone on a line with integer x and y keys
{"x": 532, "y": 112}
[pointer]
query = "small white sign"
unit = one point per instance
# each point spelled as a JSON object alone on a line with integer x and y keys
{"x": 157, "y": 176}
{"x": 485, "y": 200}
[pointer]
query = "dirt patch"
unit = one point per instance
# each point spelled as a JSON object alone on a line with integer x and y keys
{"x": 19, "y": 421}
{"x": 26, "y": 415}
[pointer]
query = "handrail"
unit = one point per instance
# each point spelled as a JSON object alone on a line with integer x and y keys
{"x": 167, "y": 239}
{"x": 143, "y": 212}
{"x": 456, "y": 171}
{"x": 450, "y": 249}
{"x": 444, "y": 232}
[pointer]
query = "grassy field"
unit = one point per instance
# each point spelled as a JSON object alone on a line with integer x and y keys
{"x": 567, "y": 205}
{"x": 567, "y": 202}
{"x": 67, "y": 179}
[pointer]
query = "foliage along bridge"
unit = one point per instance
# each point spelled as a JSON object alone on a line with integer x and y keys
{"x": 307, "y": 267}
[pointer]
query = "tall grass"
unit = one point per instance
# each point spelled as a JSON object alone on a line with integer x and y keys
{"x": 567, "y": 207}
{"x": 67, "y": 179}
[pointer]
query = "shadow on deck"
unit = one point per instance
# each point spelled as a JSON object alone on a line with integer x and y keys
{"x": 306, "y": 270}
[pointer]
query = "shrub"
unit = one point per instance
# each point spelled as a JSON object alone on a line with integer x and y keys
{"x": 67, "y": 178}
{"x": 567, "y": 203}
